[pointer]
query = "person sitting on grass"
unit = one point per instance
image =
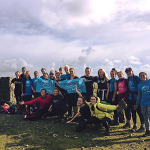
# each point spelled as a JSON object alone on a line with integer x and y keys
{"x": 99, "y": 113}
{"x": 58, "y": 105}
{"x": 44, "y": 101}
{"x": 4, "y": 108}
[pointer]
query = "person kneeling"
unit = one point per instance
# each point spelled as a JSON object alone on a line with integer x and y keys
{"x": 58, "y": 106}
{"x": 44, "y": 101}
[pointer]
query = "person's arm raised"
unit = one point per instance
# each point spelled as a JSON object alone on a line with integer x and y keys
{"x": 77, "y": 91}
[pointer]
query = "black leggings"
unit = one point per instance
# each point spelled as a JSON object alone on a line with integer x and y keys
{"x": 42, "y": 111}
{"x": 18, "y": 97}
{"x": 130, "y": 109}
{"x": 92, "y": 120}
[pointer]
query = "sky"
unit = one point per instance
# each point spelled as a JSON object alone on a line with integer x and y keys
{"x": 88, "y": 33}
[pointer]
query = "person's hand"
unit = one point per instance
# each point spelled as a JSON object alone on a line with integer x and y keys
{"x": 50, "y": 108}
{"x": 22, "y": 94}
{"x": 134, "y": 107}
{"x": 56, "y": 82}
{"x": 84, "y": 80}
{"x": 117, "y": 106}
{"x": 113, "y": 99}
{"x": 21, "y": 103}
{"x": 68, "y": 121}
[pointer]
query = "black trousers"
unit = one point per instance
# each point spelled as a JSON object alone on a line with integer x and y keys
{"x": 57, "y": 110}
{"x": 92, "y": 120}
{"x": 110, "y": 96}
{"x": 18, "y": 97}
{"x": 27, "y": 98}
{"x": 130, "y": 109}
{"x": 42, "y": 111}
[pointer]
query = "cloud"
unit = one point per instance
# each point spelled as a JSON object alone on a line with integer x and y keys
{"x": 88, "y": 51}
{"x": 134, "y": 60}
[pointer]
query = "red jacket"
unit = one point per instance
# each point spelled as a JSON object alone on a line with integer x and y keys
{"x": 40, "y": 100}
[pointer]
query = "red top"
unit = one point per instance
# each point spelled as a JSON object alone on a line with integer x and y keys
{"x": 40, "y": 100}
{"x": 4, "y": 108}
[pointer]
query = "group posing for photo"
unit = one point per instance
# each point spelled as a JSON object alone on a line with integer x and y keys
{"x": 113, "y": 95}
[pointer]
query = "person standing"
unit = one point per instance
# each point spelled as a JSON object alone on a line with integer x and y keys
{"x": 23, "y": 75}
{"x": 26, "y": 88}
{"x": 89, "y": 80}
{"x": 17, "y": 90}
{"x": 102, "y": 80}
{"x": 34, "y": 84}
{"x": 133, "y": 82}
{"x": 143, "y": 100}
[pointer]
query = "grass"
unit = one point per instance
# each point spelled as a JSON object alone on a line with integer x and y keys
{"x": 18, "y": 134}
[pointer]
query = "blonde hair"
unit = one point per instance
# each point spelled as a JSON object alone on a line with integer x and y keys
{"x": 105, "y": 74}
{"x": 66, "y": 66}
{"x": 120, "y": 72}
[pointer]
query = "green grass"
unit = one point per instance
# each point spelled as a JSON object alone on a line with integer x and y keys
{"x": 18, "y": 134}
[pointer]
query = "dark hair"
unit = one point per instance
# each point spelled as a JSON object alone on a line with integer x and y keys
{"x": 144, "y": 73}
{"x": 23, "y": 68}
{"x": 61, "y": 68}
{"x": 43, "y": 69}
{"x": 44, "y": 90}
{"x": 83, "y": 98}
{"x": 87, "y": 68}
{"x": 94, "y": 96}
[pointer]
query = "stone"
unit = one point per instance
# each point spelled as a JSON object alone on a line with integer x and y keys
{"x": 6, "y": 94}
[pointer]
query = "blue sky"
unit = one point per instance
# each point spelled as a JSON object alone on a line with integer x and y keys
{"x": 95, "y": 33}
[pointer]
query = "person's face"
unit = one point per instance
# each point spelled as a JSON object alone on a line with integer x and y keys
{"x": 80, "y": 101}
{"x": 100, "y": 73}
{"x": 6, "y": 105}
{"x": 143, "y": 77}
{"x": 17, "y": 75}
{"x": 43, "y": 93}
{"x": 72, "y": 72}
{"x": 43, "y": 71}
{"x": 36, "y": 74}
{"x": 93, "y": 100}
{"x": 24, "y": 70}
{"x": 52, "y": 76}
{"x": 120, "y": 75}
{"x": 27, "y": 74}
{"x": 87, "y": 72}
{"x": 112, "y": 75}
{"x": 55, "y": 92}
{"x": 57, "y": 75}
{"x": 61, "y": 71}
{"x": 45, "y": 76}
{"x": 129, "y": 73}
{"x": 66, "y": 70}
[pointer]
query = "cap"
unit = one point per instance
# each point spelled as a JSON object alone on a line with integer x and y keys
{"x": 128, "y": 69}
{"x": 51, "y": 72}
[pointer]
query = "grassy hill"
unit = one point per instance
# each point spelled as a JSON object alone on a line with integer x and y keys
{"x": 18, "y": 134}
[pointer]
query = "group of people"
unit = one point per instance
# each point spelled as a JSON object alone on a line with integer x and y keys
{"x": 94, "y": 109}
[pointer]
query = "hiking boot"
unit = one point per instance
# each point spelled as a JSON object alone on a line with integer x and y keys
{"x": 146, "y": 134}
{"x": 134, "y": 129}
{"x": 141, "y": 129}
{"x": 127, "y": 125}
{"x": 107, "y": 133}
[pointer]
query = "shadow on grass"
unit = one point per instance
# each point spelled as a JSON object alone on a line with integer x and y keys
{"x": 44, "y": 134}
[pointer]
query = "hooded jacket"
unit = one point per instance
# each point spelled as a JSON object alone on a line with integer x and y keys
{"x": 100, "y": 110}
